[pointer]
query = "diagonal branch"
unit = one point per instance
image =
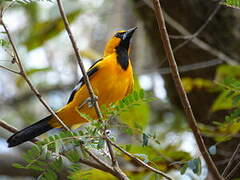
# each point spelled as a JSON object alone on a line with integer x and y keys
{"x": 182, "y": 94}
{"x": 79, "y": 60}
{"x": 227, "y": 168}
{"x": 24, "y": 75}
{"x": 12, "y": 129}
{"x": 99, "y": 165}
{"x": 120, "y": 175}
{"x": 140, "y": 161}
{"x": 10, "y": 70}
{"x": 198, "y": 42}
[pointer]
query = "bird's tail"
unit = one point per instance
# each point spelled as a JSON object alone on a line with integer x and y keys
{"x": 30, "y": 132}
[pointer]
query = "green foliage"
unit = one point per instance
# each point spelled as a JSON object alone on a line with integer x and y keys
{"x": 195, "y": 165}
{"x": 132, "y": 110}
{"x": 227, "y": 78}
{"x": 191, "y": 84}
{"x": 41, "y": 32}
{"x": 232, "y": 3}
{"x": 230, "y": 96}
{"x": 4, "y": 43}
{"x": 92, "y": 174}
{"x": 47, "y": 156}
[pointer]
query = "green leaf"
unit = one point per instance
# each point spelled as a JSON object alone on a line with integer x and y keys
{"x": 4, "y": 43}
{"x": 36, "y": 168}
{"x": 236, "y": 100}
{"x": 135, "y": 94}
{"x": 56, "y": 165}
{"x": 232, "y": 3}
{"x": 50, "y": 175}
{"x": 19, "y": 166}
{"x": 195, "y": 165}
{"x": 72, "y": 156}
{"x": 145, "y": 139}
{"x": 213, "y": 150}
{"x": 101, "y": 144}
{"x": 222, "y": 102}
{"x": 41, "y": 32}
{"x": 75, "y": 167}
{"x": 141, "y": 93}
{"x": 128, "y": 147}
{"x": 183, "y": 169}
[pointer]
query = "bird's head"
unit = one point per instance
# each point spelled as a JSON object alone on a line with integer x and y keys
{"x": 121, "y": 39}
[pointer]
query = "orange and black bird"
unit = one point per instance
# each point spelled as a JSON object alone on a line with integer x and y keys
{"x": 111, "y": 78}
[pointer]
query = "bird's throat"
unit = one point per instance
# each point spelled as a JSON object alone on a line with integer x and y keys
{"x": 122, "y": 57}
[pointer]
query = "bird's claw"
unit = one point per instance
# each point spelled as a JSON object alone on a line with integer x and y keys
{"x": 89, "y": 101}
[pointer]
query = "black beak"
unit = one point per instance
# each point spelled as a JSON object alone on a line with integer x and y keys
{"x": 128, "y": 34}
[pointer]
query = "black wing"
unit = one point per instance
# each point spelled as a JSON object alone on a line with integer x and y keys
{"x": 81, "y": 82}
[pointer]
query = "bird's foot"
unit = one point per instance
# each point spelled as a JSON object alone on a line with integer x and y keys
{"x": 92, "y": 101}
{"x": 89, "y": 101}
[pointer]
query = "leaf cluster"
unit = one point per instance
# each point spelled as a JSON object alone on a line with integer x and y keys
{"x": 47, "y": 156}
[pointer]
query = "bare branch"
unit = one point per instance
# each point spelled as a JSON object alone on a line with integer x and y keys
{"x": 230, "y": 163}
{"x": 119, "y": 172}
{"x": 182, "y": 94}
{"x": 10, "y": 70}
{"x": 198, "y": 42}
{"x": 101, "y": 166}
{"x": 79, "y": 60}
{"x": 233, "y": 171}
{"x": 140, "y": 161}
{"x": 24, "y": 75}
{"x": 12, "y": 129}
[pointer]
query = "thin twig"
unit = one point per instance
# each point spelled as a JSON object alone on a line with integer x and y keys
{"x": 97, "y": 159}
{"x": 203, "y": 26}
{"x": 121, "y": 175}
{"x": 101, "y": 166}
{"x": 230, "y": 163}
{"x": 12, "y": 129}
{"x": 233, "y": 171}
{"x": 8, "y": 69}
{"x": 198, "y": 42}
{"x": 140, "y": 161}
{"x": 113, "y": 158}
{"x": 24, "y": 75}
{"x": 182, "y": 94}
{"x": 79, "y": 60}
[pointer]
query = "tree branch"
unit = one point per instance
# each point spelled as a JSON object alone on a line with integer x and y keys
{"x": 119, "y": 172}
{"x": 198, "y": 42}
{"x": 10, "y": 70}
{"x": 140, "y": 161}
{"x": 12, "y": 129}
{"x": 182, "y": 94}
{"x": 24, "y": 75}
{"x": 226, "y": 170}
{"x": 233, "y": 171}
{"x": 79, "y": 60}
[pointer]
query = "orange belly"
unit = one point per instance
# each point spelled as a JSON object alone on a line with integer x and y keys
{"x": 110, "y": 83}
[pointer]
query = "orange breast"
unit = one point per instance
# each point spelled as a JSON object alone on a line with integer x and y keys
{"x": 110, "y": 83}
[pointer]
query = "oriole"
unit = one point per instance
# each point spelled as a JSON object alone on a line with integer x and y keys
{"x": 111, "y": 78}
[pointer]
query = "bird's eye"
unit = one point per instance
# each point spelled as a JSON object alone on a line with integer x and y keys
{"x": 119, "y": 34}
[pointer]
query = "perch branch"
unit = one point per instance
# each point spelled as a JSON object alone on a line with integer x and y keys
{"x": 140, "y": 161}
{"x": 121, "y": 175}
{"x": 182, "y": 94}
